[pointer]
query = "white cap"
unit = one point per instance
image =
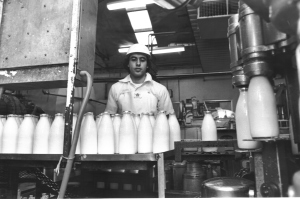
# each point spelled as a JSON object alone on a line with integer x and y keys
{"x": 138, "y": 48}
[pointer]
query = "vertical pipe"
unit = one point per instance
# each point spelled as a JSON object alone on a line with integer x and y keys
{"x": 1, "y": 91}
{"x": 161, "y": 175}
{"x": 178, "y": 85}
{"x": 71, "y": 155}
{"x": 1, "y": 11}
{"x": 1, "y": 14}
{"x": 259, "y": 172}
{"x": 73, "y": 62}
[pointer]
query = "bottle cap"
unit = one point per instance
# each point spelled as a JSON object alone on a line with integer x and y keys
{"x": 207, "y": 112}
{"x": 2, "y": 116}
{"x": 88, "y": 113}
{"x": 117, "y": 115}
{"x": 145, "y": 113}
{"x": 12, "y": 115}
{"x": 44, "y": 115}
{"x": 26, "y": 115}
{"x": 58, "y": 114}
{"x": 126, "y": 112}
{"x": 164, "y": 112}
{"x": 243, "y": 89}
{"x": 151, "y": 114}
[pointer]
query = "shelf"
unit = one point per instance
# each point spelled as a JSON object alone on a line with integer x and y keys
{"x": 271, "y": 139}
{"x": 30, "y": 157}
{"x": 116, "y": 157}
{"x": 180, "y": 155}
{"x": 88, "y": 157}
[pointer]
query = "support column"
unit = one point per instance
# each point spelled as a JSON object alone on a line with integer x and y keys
{"x": 161, "y": 175}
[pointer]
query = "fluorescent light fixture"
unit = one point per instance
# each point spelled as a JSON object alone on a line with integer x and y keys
{"x": 123, "y": 50}
{"x": 142, "y": 38}
{"x": 127, "y": 4}
{"x": 163, "y": 50}
{"x": 140, "y": 20}
{"x": 160, "y": 50}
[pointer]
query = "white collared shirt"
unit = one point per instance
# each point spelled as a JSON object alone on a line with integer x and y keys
{"x": 148, "y": 97}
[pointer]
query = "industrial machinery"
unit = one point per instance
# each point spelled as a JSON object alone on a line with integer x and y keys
{"x": 263, "y": 40}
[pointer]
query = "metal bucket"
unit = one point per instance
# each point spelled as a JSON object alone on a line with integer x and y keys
{"x": 193, "y": 177}
{"x": 227, "y": 187}
{"x": 178, "y": 170}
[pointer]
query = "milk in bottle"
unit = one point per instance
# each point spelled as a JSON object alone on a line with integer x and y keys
{"x": 209, "y": 131}
{"x": 242, "y": 123}
{"x": 161, "y": 133}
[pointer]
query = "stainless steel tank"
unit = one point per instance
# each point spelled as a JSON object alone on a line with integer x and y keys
{"x": 227, "y": 187}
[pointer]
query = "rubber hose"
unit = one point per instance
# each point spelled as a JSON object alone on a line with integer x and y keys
{"x": 70, "y": 159}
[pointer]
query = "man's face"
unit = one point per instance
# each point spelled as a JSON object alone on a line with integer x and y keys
{"x": 137, "y": 65}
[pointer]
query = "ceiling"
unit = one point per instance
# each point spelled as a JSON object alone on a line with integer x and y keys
{"x": 204, "y": 36}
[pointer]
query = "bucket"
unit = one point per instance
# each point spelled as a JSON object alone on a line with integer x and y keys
{"x": 178, "y": 170}
{"x": 193, "y": 177}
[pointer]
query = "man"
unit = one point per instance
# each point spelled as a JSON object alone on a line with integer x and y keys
{"x": 137, "y": 92}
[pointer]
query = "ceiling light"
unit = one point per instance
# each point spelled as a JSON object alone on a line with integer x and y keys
{"x": 163, "y": 50}
{"x": 127, "y": 4}
{"x": 140, "y": 20}
{"x": 123, "y": 50}
{"x": 160, "y": 50}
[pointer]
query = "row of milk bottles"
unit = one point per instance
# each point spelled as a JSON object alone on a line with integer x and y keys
{"x": 128, "y": 133}
{"x": 27, "y": 134}
{"x": 124, "y": 134}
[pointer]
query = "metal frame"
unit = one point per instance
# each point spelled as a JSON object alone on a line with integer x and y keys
{"x": 73, "y": 63}
{"x": 132, "y": 161}
{"x": 179, "y": 155}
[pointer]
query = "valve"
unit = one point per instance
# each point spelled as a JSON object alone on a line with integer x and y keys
{"x": 269, "y": 189}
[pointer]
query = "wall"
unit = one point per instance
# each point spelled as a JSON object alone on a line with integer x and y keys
{"x": 203, "y": 88}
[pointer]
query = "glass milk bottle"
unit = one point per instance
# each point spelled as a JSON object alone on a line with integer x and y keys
{"x": 1, "y": 133}
{"x": 88, "y": 134}
{"x": 127, "y": 135}
{"x": 145, "y": 135}
{"x": 25, "y": 135}
{"x": 161, "y": 133}
{"x": 56, "y": 135}
{"x": 3, "y": 119}
{"x": 116, "y": 125}
{"x": 262, "y": 108}
{"x": 106, "y": 135}
{"x": 242, "y": 123}
{"x": 10, "y": 135}
{"x": 209, "y": 131}
{"x": 41, "y": 135}
{"x": 175, "y": 133}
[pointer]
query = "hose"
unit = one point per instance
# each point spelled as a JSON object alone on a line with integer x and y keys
{"x": 71, "y": 156}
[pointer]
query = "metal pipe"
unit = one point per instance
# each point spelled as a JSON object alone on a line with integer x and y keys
{"x": 1, "y": 91}
{"x": 71, "y": 156}
{"x": 77, "y": 98}
{"x": 161, "y": 77}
